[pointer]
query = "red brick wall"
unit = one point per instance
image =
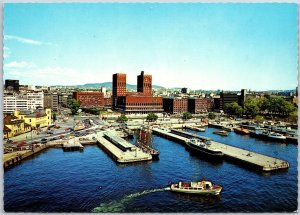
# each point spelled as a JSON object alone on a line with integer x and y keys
{"x": 180, "y": 105}
{"x": 89, "y": 99}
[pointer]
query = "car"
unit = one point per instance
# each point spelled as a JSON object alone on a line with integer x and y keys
{"x": 44, "y": 140}
{"x": 9, "y": 141}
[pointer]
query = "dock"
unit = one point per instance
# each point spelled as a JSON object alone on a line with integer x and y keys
{"x": 72, "y": 145}
{"x": 121, "y": 150}
{"x": 251, "y": 159}
{"x": 167, "y": 134}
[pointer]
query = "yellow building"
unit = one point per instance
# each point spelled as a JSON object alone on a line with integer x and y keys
{"x": 14, "y": 126}
{"x": 38, "y": 119}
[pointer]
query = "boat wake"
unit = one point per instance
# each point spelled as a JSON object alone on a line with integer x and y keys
{"x": 119, "y": 206}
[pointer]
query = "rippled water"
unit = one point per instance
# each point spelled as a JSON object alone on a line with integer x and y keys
{"x": 57, "y": 181}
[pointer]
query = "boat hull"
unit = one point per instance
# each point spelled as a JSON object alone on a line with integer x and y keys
{"x": 214, "y": 191}
{"x": 216, "y": 154}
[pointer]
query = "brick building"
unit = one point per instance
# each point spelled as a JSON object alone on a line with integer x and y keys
{"x": 108, "y": 102}
{"x": 119, "y": 87}
{"x": 139, "y": 104}
{"x": 200, "y": 105}
{"x": 89, "y": 99}
{"x": 175, "y": 105}
{"x": 144, "y": 84}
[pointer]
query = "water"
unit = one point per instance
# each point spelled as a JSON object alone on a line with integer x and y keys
{"x": 57, "y": 181}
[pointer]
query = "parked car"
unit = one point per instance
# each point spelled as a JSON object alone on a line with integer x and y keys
{"x": 44, "y": 140}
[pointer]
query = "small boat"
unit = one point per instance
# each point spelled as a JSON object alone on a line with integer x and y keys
{"x": 204, "y": 147}
{"x": 242, "y": 131}
{"x": 221, "y": 132}
{"x": 277, "y": 136}
{"x": 200, "y": 129}
{"x": 200, "y": 187}
{"x": 227, "y": 128}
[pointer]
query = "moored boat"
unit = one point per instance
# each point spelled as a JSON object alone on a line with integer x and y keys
{"x": 277, "y": 136}
{"x": 242, "y": 131}
{"x": 221, "y": 132}
{"x": 200, "y": 187}
{"x": 204, "y": 147}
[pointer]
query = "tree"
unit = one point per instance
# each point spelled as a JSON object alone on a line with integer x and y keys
{"x": 251, "y": 107}
{"x": 151, "y": 117}
{"x": 74, "y": 106}
{"x": 288, "y": 108}
{"x": 54, "y": 117}
{"x": 294, "y": 116}
{"x": 233, "y": 109}
{"x": 211, "y": 115}
{"x": 187, "y": 116}
{"x": 259, "y": 118}
{"x": 122, "y": 118}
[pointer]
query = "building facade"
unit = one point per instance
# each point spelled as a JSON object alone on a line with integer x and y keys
{"x": 175, "y": 105}
{"x": 199, "y": 105}
{"x": 137, "y": 104}
{"x": 119, "y": 87}
{"x": 89, "y": 99}
{"x": 144, "y": 84}
{"x": 37, "y": 119}
{"x": 29, "y": 101}
{"x": 12, "y": 85}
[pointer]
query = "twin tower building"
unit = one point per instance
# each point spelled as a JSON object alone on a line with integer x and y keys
{"x": 140, "y": 102}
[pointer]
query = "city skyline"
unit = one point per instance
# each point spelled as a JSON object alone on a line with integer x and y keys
{"x": 199, "y": 46}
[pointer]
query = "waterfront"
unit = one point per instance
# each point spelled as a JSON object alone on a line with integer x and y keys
{"x": 57, "y": 181}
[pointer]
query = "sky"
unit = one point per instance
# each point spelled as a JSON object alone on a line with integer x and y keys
{"x": 196, "y": 45}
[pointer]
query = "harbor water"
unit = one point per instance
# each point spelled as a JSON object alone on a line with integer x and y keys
{"x": 90, "y": 181}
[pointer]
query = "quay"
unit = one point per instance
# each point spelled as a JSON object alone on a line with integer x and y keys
{"x": 167, "y": 134}
{"x": 121, "y": 150}
{"x": 14, "y": 158}
{"x": 241, "y": 156}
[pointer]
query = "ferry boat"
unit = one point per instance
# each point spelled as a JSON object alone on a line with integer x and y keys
{"x": 221, "y": 132}
{"x": 204, "y": 147}
{"x": 200, "y": 187}
{"x": 241, "y": 131}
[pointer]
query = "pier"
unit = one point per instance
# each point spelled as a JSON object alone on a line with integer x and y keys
{"x": 241, "y": 156}
{"x": 121, "y": 150}
{"x": 72, "y": 146}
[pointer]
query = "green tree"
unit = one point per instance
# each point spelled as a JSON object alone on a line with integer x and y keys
{"x": 259, "y": 118}
{"x": 74, "y": 106}
{"x": 122, "y": 118}
{"x": 287, "y": 108}
{"x": 211, "y": 115}
{"x": 187, "y": 116}
{"x": 54, "y": 117}
{"x": 294, "y": 116}
{"x": 251, "y": 107}
{"x": 151, "y": 117}
{"x": 233, "y": 109}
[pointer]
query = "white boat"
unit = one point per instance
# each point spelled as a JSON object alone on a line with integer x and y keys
{"x": 200, "y": 187}
{"x": 275, "y": 135}
{"x": 204, "y": 147}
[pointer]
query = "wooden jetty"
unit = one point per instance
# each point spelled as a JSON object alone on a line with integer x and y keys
{"x": 242, "y": 156}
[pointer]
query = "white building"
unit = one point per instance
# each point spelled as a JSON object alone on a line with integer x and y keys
{"x": 29, "y": 101}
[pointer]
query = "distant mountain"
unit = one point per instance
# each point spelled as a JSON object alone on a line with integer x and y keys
{"x": 107, "y": 85}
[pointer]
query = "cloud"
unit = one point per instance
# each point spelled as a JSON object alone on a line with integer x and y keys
{"x": 6, "y": 52}
{"x": 26, "y": 40}
{"x": 18, "y": 65}
{"x": 30, "y": 74}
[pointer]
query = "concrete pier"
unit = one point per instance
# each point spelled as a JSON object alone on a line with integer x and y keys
{"x": 167, "y": 134}
{"x": 242, "y": 156}
{"x": 122, "y": 151}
